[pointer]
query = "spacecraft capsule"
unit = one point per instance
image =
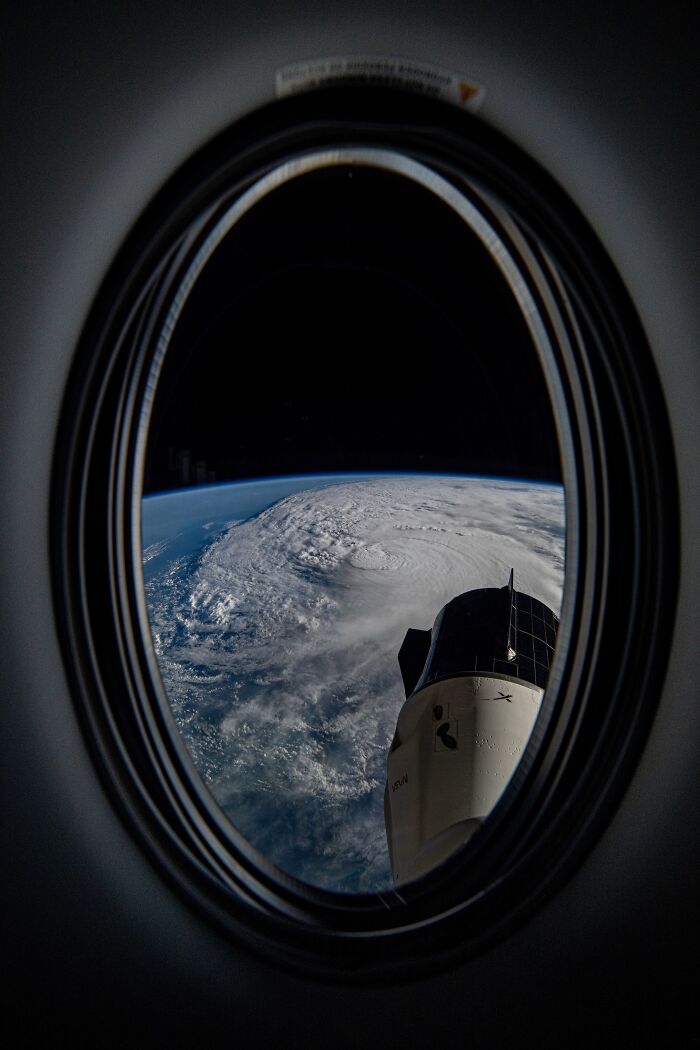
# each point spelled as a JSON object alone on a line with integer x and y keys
{"x": 473, "y": 687}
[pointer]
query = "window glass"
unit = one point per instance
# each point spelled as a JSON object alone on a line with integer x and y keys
{"x": 351, "y": 427}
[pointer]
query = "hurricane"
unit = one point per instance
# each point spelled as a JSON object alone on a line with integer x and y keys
{"x": 276, "y": 623}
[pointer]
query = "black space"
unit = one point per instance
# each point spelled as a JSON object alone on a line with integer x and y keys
{"x": 350, "y": 322}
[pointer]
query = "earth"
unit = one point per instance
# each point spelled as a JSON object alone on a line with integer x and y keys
{"x": 277, "y": 610}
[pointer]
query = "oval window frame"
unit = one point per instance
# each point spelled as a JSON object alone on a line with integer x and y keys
{"x": 623, "y": 532}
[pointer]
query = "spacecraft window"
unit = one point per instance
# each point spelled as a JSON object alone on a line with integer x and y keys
{"x": 242, "y": 539}
{"x": 320, "y": 527}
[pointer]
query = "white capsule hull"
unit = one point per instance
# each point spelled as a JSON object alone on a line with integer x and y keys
{"x": 458, "y": 742}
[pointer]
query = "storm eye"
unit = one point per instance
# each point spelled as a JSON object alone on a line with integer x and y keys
{"x": 352, "y": 415}
{"x": 358, "y": 388}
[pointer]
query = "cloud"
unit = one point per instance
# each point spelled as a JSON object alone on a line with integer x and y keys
{"x": 278, "y": 647}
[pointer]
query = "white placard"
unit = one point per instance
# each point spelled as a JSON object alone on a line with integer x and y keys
{"x": 420, "y": 77}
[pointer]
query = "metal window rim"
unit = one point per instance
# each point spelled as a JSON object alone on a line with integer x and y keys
{"x": 496, "y": 882}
